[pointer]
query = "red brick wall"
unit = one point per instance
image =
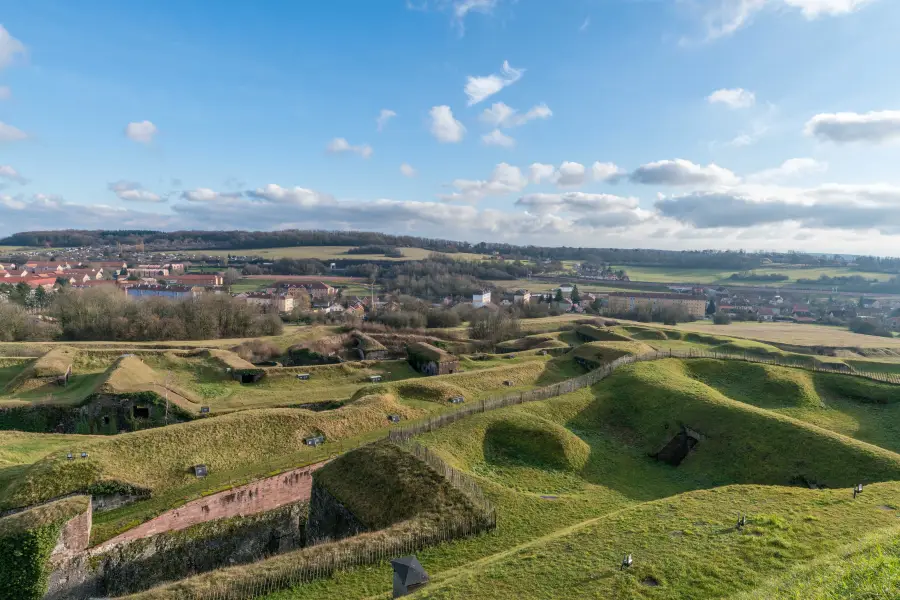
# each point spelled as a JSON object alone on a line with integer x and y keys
{"x": 259, "y": 496}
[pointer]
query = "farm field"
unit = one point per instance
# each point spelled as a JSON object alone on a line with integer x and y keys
{"x": 717, "y": 276}
{"x": 325, "y": 253}
{"x": 795, "y": 334}
{"x": 547, "y": 287}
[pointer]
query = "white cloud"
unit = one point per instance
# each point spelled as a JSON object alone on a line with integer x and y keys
{"x": 682, "y": 172}
{"x": 846, "y": 127}
{"x": 461, "y": 8}
{"x": 592, "y": 210}
{"x": 10, "y": 48}
{"x": 141, "y": 131}
{"x": 816, "y": 8}
{"x": 5, "y": 92}
{"x": 570, "y": 174}
{"x": 8, "y": 133}
{"x": 498, "y": 138}
{"x": 733, "y": 98}
{"x": 444, "y": 127}
{"x": 296, "y": 196}
{"x": 133, "y": 192}
{"x": 505, "y": 179}
{"x": 209, "y": 195}
{"x": 501, "y": 115}
{"x": 481, "y": 88}
{"x": 407, "y": 170}
{"x": 538, "y": 172}
{"x": 828, "y": 207}
{"x": 10, "y": 174}
{"x": 728, "y": 16}
{"x": 790, "y": 168}
{"x": 383, "y": 117}
{"x": 340, "y": 145}
{"x": 606, "y": 171}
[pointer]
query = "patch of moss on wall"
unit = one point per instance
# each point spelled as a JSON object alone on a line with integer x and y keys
{"x": 27, "y": 540}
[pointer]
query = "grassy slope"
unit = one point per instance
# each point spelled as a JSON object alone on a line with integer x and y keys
{"x": 865, "y": 569}
{"x": 859, "y": 408}
{"x": 522, "y": 453}
{"x": 160, "y": 459}
{"x": 383, "y": 485}
{"x": 687, "y": 546}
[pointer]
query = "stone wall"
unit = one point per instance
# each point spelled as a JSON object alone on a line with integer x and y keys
{"x": 137, "y": 565}
{"x": 329, "y": 520}
{"x": 259, "y": 496}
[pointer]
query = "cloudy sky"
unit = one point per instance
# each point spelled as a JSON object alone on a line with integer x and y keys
{"x": 756, "y": 124}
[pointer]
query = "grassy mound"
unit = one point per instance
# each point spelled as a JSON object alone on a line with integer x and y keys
{"x": 532, "y": 342}
{"x": 230, "y": 360}
{"x": 529, "y": 440}
{"x": 130, "y": 374}
{"x": 55, "y": 363}
{"x": 159, "y": 459}
{"x": 645, "y": 333}
{"x": 757, "y": 384}
{"x": 599, "y": 334}
{"x": 599, "y": 353}
{"x": 382, "y": 485}
{"x": 743, "y": 444}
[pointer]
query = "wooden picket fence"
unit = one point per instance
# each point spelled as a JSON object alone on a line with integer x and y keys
{"x": 329, "y": 558}
{"x": 405, "y": 432}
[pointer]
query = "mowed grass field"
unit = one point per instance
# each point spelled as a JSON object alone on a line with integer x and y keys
{"x": 797, "y": 334}
{"x": 719, "y": 276}
{"x": 325, "y": 253}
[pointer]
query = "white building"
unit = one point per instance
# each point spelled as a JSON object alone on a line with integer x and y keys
{"x": 481, "y": 300}
{"x": 522, "y": 297}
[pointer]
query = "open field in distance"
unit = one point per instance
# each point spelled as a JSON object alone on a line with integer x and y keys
{"x": 794, "y": 333}
{"x": 675, "y": 275}
{"x": 332, "y": 252}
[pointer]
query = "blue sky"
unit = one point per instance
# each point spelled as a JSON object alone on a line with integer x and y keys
{"x": 671, "y": 123}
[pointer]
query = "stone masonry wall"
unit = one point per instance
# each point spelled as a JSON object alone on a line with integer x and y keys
{"x": 263, "y": 495}
{"x": 329, "y": 520}
{"x": 137, "y": 565}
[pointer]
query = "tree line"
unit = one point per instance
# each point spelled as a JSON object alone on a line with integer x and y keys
{"x": 98, "y": 314}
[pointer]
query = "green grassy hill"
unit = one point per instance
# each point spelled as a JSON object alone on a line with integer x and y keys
{"x": 575, "y": 488}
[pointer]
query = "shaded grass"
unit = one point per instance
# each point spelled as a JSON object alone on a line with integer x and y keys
{"x": 383, "y": 485}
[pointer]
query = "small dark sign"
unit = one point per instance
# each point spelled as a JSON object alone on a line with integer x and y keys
{"x": 507, "y": 383}
{"x": 374, "y": 378}
{"x": 204, "y": 410}
{"x": 394, "y": 418}
{"x": 457, "y": 400}
{"x": 303, "y": 376}
{"x": 200, "y": 471}
{"x": 315, "y": 441}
